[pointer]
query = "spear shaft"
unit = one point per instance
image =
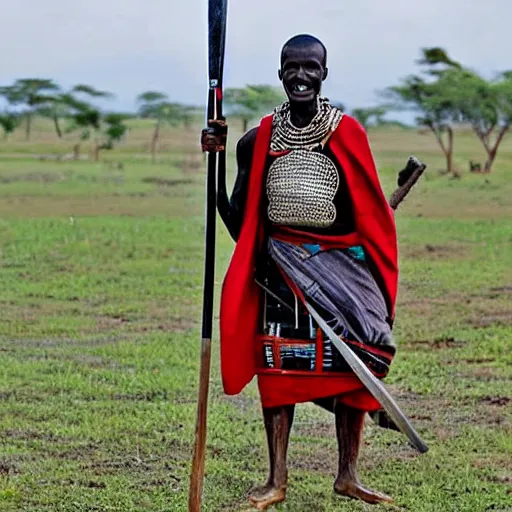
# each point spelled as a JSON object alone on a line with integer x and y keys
{"x": 217, "y": 13}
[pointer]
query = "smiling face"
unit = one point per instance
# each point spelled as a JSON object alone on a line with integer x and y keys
{"x": 303, "y": 69}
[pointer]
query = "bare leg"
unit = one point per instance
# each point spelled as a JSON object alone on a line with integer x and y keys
{"x": 349, "y": 430}
{"x": 278, "y": 423}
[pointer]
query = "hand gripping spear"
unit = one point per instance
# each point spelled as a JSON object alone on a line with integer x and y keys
{"x": 217, "y": 12}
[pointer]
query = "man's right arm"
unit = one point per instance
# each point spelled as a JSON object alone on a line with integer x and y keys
{"x": 232, "y": 210}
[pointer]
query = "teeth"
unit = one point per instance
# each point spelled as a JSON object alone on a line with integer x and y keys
{"x": 301, "y": 88}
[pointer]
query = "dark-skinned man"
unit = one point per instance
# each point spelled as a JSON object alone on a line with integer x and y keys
{"x": 311, "y": 223}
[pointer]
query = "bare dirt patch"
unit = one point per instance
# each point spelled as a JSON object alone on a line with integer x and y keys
{"x": 192, "y": 163}
{"x": 147, "y": 205}
{"x": 35, "y": 176}
{"x": 503, "y": 318}
{"x": 165, "y": 182}
{"x": 148, "y": 396}
{"x": 176, "y": 321}
{"x": 499, "y": 401}
{"x": 8, "y": 468}
{"x": 151, "y": 470}
{"x": 481, "y": 373}
{"x": 155, "y": 318}
{"x": 436, "y": 252}
{"x": 78, "y": 452}
{"x": 323, "y": 460}
{"x": 502, "y": 289}
{"x": 435, "y": 344}
{"x": 480, "y": 360}
{"x": 315, "y": 429}
{"x": 240, "y": 401}
{"x": 31, "y": 435}
{"x": 445, "y": 416}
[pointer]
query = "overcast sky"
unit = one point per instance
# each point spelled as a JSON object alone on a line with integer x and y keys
{"x": 129, "y": 46}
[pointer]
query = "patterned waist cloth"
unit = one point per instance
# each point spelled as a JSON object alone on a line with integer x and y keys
{"x": 339, "y": 285}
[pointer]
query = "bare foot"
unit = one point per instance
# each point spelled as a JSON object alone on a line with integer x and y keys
{"x": 262, "y": 497}
{"x": 353, "y": 489}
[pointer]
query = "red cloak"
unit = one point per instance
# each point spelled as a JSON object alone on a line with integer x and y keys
{"x": 240, "y": 300}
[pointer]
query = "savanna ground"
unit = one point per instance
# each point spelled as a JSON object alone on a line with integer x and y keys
{"x": 100, "y": 291}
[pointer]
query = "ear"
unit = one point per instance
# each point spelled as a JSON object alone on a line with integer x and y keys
{"x": 326, "y": 72}
{"x": 280, "y": 74}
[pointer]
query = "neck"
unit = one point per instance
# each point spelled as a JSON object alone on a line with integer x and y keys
{"x": 301, "y": 114}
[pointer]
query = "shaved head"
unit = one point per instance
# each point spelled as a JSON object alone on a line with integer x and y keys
{"x": 303, "y": 69}
{"x": 302, "y": 41}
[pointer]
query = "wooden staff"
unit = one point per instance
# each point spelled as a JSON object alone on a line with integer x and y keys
{"x": 217, "y": 14}
{"x": 399, "y": 194}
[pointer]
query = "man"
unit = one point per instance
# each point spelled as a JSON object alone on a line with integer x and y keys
{"x": 311, "y": 224}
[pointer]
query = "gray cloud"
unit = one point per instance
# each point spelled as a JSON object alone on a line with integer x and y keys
{"x": 128, "y": 46}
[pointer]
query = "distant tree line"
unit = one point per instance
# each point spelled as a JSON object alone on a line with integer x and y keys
{"x": 443, "y": 94}
{"x": 74, "y": 111}
{"x": 156, "y": 105}
{"x": 446, "y": 93}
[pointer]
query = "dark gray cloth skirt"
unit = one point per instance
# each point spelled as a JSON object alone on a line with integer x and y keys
{"x": 340, "y": 284}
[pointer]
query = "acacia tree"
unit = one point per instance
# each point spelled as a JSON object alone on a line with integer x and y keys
{"x": 503, "y": 91}
{"x": 252, "y": 101}
{"x": 104, "y": 129}
{"x": 432, "y": 97}
{"x": 487, "y": 106}
{"x": 8, "y": 122}
{"x": 112, "y": 130}
{"x": 434, "y": 111}
{"x": 155, "y": 105}
{"x": 436, "y": 61}
{"x": 86, "y": 118}
{"x": 32, "y": 93}
{"x": 56, "y": 109}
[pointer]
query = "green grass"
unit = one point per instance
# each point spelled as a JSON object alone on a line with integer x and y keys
{"x": 100, "y": 291}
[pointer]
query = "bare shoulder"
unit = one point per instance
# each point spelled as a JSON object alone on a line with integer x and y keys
{"x": 245, "y": 148}
{"x": 246, "y": 143}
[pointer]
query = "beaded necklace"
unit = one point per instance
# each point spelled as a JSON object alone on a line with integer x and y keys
{"x": 286, "y": 136}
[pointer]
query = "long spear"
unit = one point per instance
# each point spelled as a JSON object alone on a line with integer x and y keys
{"x": 217, "y": 13}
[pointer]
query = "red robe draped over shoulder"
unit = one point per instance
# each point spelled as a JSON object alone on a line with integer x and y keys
{"x": 240, "y": 300}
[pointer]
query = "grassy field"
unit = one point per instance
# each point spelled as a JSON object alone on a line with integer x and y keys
{"x": 100, "y": 291}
